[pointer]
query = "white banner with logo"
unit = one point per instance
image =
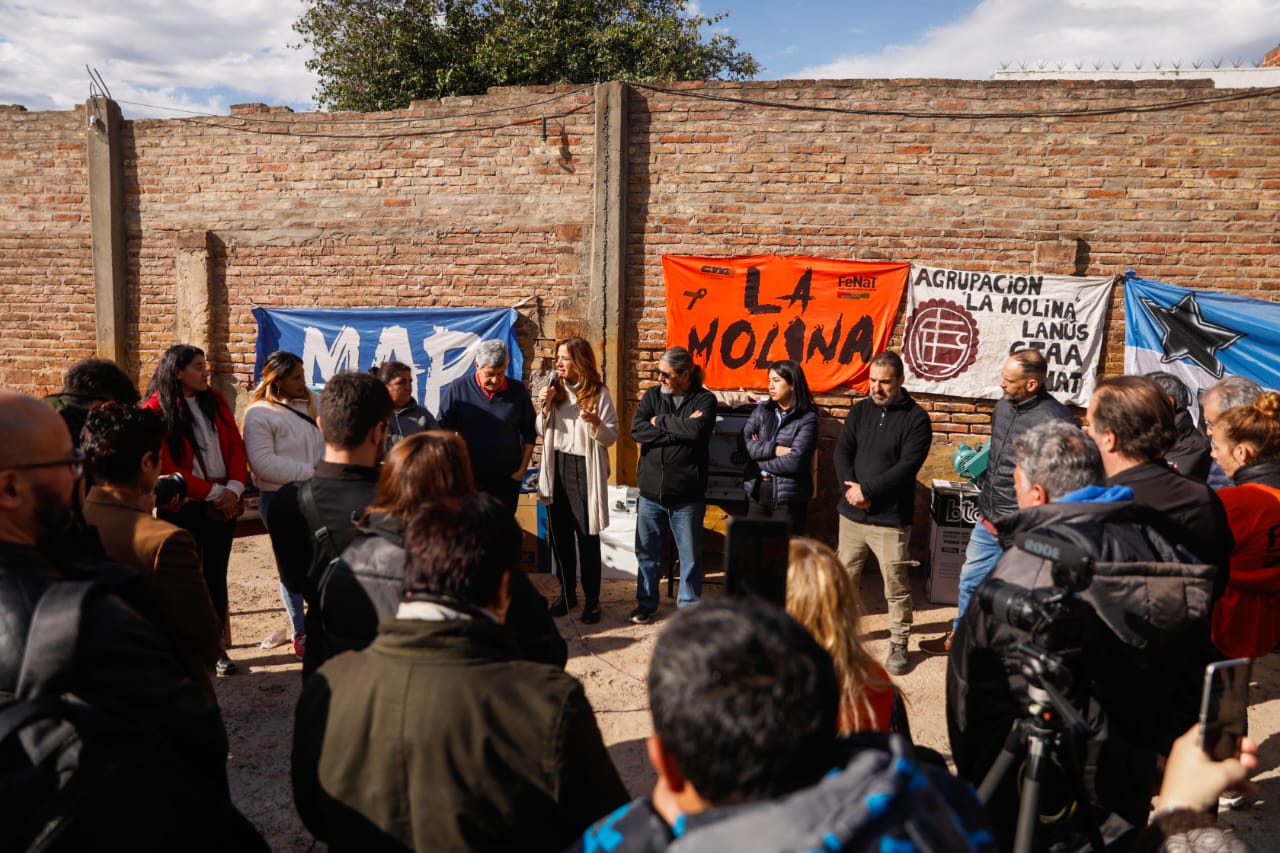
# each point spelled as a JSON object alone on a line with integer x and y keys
{"x": 961, "y": 326}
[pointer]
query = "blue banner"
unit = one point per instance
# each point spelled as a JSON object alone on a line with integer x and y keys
{"x": 1199, "y": 336}
{"x": 439, "y": 344}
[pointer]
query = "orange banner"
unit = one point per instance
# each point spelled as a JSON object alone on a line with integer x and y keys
{"x": 738, "y": 315}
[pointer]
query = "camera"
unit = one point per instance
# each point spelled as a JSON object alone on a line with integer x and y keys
{"x": 169, "y": 488}
{"x": 1053, "y": 617}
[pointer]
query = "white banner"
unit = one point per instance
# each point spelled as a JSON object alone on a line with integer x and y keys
{"x": 962, "y": 325}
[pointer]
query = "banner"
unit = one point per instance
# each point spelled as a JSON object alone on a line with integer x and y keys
{"x": 961, "y": 326}
{"x": 438, "y": 344}
{"x": 1199, "y": 337}
{"x": 737, "y": 315}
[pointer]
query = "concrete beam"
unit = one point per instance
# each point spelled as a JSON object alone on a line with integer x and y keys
{"x": 107, "y": 223}
{"x": 605, "y": 305}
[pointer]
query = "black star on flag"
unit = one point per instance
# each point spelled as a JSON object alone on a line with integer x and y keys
{"x": 1188, "y": 336}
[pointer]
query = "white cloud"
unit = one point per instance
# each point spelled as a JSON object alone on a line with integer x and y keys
{"x": 1030, "y": 32}
{"x": 194, "y": 56}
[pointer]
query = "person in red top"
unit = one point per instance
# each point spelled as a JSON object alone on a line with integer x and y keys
{"x": 821, "y": 596}
{"x": 203, "y": 444}
{"x": 1246, "y": 445}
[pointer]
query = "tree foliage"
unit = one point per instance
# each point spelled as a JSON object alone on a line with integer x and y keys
{"x": 381, "y": 54}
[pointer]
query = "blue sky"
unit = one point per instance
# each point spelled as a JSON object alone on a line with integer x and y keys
{"x": 162, "y": 56}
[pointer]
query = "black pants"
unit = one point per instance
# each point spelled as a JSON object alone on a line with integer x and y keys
{"x": 214, "y": 537}
{"x": 764, "y": 506}
{"x": 576, "y": 550}
{"x": 503, "y": 488}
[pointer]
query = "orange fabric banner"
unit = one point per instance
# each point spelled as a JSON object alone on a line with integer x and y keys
{"x": 737, "y": 315}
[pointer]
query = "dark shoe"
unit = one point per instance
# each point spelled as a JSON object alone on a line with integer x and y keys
{"x": 591, "y": 614}
{"x": 939, "y": 646}
{"x": 562, "y": 607}
{"x": 641, "y": 615}
{"x": 225, "y": 666}
{"x": 896, "y": 662}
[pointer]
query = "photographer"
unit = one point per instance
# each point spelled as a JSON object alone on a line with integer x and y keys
{"x": 1140, "y": 651}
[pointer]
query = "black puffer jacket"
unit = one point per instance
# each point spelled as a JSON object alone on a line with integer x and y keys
{"x": 1008, "y": 421}
{"x": 673, "y": 449}
{"x": 1145, "y": 642}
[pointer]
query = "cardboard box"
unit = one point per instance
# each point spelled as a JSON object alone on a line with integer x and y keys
{"x": 954, "y": 510}
{"x": 532, "y": 518}
{"x": 954, "y": 504}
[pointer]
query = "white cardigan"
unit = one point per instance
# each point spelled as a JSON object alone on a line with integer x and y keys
{"x": 281, "y": 446}
{"x": 598, "y": 438}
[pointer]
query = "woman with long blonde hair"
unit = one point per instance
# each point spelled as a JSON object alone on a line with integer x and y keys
{"x": 821, "y": 597}
{"x": 578, "y": 423}
{"x": 283, "y": 444}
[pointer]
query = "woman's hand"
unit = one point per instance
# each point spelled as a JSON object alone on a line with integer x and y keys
{"x": 589, "y": 416}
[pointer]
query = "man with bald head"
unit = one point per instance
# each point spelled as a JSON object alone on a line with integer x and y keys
{"x": 122, "y": 667}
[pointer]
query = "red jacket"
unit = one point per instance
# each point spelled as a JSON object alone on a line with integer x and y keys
{"x": 229, "y": 441}
{"x": 1246, "y": 618}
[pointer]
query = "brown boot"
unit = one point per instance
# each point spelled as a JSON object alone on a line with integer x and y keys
{"x": 940, "y": 646}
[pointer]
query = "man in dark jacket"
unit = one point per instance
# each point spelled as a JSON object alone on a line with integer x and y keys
{"x": 673, "y": 426}
{"x": 312, "y": 521}
{"x": 1143, "y": 642}
{"x": 437, "y": 736}
{"x": 1025, "y": 404}
{"x": 152, "y": 772}
{"x": 885, "y": 440}
{"x": 1132, "y": 423}
{"x": 1190, "y": 454}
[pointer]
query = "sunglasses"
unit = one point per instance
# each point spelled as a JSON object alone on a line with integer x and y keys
{"x": 662, "y": 374}
{"x": 76, "y": 463}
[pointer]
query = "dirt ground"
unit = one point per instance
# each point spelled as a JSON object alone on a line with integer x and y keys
{"x": 611, "y": 659}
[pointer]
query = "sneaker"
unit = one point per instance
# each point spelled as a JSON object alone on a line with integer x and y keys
{"x": 1231, "y": 800}
{"x": 299, "y": 644}
{"x": 279, "y": 638}
{"x": 939, "y": 646}
{"x": 896, "y": 662}
{"x": 562, "y": 607}
{"x": 225, "y": 665}
{"x": 591, "y": 614}
{"x": 641, "y": 615}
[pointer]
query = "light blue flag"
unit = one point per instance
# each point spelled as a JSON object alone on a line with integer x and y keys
{"x": 1199, "y": 336}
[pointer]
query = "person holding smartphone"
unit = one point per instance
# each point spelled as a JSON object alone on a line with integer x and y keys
{"x": 780, "y": 439}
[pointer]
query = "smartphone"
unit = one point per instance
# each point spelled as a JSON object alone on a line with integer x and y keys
{"x": 1224, "y": 704}
{"x": 755, "y": 558}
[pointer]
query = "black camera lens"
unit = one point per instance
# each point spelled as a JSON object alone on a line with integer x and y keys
{"x": 169, "y": 488}
{"x": 1009, "y": 603}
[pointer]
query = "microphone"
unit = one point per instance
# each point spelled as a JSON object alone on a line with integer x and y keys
{"x": 552, "y": 379}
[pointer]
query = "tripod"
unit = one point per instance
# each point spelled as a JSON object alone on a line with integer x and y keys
{"x": 1049, "y": 728}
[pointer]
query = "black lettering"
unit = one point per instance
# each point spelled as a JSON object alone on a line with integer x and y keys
{"x": 861, "y": 341}
{"x": 751, "y": 297}
{"x": 819, "y": 344}
{"x": 765, "y": 358}
{"x": 736, "y": 330}
{"x": 702, "y": 346}
{"x": 802, "y": 292}
{"x": 794, "y": 338}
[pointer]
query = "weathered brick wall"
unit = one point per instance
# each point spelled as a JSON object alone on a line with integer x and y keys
{"x": 46, "y": 261}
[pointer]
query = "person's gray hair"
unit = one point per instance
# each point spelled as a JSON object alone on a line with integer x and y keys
{"x": 1235, "y": 391}
{"x": 1173, "y": 388}
{"x": 679, "y": 359}
{"x": 491, "y": 353}
{"x": 1059, "y": 457}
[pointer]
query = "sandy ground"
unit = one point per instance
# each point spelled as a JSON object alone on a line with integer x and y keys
{"x": 611, "y": 659}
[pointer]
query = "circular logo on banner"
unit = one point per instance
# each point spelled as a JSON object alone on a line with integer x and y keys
{"x": 941, "y": 340}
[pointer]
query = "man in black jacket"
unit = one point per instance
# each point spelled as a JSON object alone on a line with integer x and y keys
{"x": 312, "y": 521}
{"x": 1143, "y": 642}
{"x": 1025, "y": 404}
{"x": 885, "y": 440}
{"x": 673, "y": 426}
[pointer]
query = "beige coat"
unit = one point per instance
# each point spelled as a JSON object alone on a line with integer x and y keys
{"x": 598, "y": 439}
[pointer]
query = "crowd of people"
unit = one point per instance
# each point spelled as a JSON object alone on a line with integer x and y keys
{"x": 435, "y": 712}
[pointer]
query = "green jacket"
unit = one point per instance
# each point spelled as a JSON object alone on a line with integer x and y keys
{"x": 437, "y": 737}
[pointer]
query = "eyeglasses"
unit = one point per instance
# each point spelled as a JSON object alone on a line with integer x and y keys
{"x": 662, "y": 374}
{"x": 76, "y": 463}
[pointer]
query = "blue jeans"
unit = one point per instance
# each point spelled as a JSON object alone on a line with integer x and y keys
{"x": 652, "y": 522}
{"x": 979, "y": 559}
{"x": 292, "y": 600}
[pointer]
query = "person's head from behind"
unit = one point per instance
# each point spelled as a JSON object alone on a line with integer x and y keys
{"x": 435, "y": 463}
{"x": 460, "y": 551}
{"x": 39, "y": 469}
{"x": 354, "y": 410}
{"x": 491, "y": 365}
{"x": 1131, "y": 420}
{"x": 99, "y": 379}
{"x": 1023, "y": 374}
{"x": 789, "y": 388}
{"x": 398, "y": 377}
{"x": 1174, "y": 388}
{"x": 123, "y": 446}
{"x": 744, "y": 705}
{"x": 1227, "y": 394}
{"x": 822, "y": 597}
{"x": 1053, "y": 459}
{"x": 1244, "y": 435}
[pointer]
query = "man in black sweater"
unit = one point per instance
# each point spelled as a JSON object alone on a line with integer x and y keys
{"x": 885, "y": 440}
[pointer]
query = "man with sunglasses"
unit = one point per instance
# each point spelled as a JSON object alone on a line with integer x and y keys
{"x": 673, "y": 426}
{"x": 164, "y": 735}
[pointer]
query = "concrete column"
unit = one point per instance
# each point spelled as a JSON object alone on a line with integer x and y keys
{"x": 106, "y": 214}
{"x": 605, "y": 307}
{"x": 194, "y": 315}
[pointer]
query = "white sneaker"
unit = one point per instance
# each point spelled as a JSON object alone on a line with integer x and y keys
{"x": 279, "y": 638}
{"x": 1231, "y": 800}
